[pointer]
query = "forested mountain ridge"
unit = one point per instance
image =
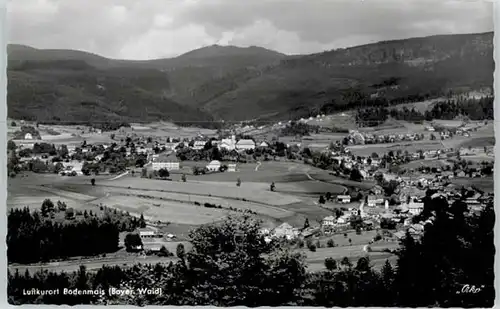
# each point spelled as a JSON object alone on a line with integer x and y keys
{"x": 402, "y": 70}
{"x": 233, "y": 83}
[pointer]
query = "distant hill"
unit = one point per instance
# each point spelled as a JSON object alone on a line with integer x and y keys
{"x": 69, "y": 85}
{"x": 234, "y": 83}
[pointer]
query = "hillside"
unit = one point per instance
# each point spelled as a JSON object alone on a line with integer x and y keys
{"x": 72, "y": 90}
{"x": 233, "y": 83}
{"x": 334, "y": 80}
{"x": 68, "y": 85}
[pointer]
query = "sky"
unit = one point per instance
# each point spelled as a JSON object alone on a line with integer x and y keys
{"x": 149, "y": 29}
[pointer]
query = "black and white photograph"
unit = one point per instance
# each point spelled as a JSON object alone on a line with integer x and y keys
{"x": 319, "y": 153}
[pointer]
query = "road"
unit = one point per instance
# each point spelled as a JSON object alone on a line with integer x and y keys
{"x": 258, "y": 165}
{"x": 91, "y": 264}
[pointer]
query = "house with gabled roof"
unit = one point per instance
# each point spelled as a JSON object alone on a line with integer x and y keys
{"x": 167, "y": 161}
{"x": 245, "y": 144}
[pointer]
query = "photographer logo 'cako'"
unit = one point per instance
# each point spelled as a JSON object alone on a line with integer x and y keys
{"x": 470, "y": 289}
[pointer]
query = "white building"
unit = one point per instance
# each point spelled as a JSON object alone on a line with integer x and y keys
{"x": 245, "y": 144}
{"x": 228, "y": 143}
{"x": 147, "y": 233}
{"x": 72, "y": 166}
{"x": 214, "y": 166}
{"x": 168, "y": 162}
{"x": 264, "y": 145}
{"x": 198, "y": 145}
{"x": 344, "y": 199}
{"x": 28, "y": 136}
{"x": 285, "y": 230}
{"x": 329, "y": 221}
{"x": 415, "y": 208}
{"x": 231, "y": 168}
{"x": 171, "y": 146}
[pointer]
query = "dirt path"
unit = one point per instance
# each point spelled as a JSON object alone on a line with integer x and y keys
{"x": 119, "y": 176}
{"x": 258, "y": 165}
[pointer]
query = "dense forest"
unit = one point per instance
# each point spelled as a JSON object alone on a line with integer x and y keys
{"x": 473, "y": 109}
{"x": 78, "y": 234}
{"x": 300, "y": 129}
{"x": 230, "y": 264}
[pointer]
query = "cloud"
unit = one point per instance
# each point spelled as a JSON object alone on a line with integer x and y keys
{"x": 150, "y": 28}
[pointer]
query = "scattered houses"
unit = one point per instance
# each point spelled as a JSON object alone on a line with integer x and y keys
{"x": 166, "y": 161}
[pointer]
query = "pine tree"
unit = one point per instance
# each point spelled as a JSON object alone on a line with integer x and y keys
{"x": 306, "y": 223}
{"x": 142, "y": 222}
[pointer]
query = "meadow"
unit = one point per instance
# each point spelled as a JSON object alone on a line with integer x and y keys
{"x": 484, "y": 183}
{"x": 165, "y": 211}
{"x": 381, "y": 149}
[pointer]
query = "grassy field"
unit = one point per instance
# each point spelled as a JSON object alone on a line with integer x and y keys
{"x": 342, "y": 241}
{"x": 428, "y": 163}
{"x": 289, "y": 178}
{"x": 421, "y": 107}
{"x": 164, "y": 129}
{"x": 249, "y": 191}
{"x": 380, "y": 149}
{"x": 337, "y": 182}
{"x": 478, "y": 142}
{"x": 316, "y": 260}
{"x": 166, "y": 211}
{"x": 340, "y": 120}
{"x": 155, "y": 197}
{"x": 485, "y": 183}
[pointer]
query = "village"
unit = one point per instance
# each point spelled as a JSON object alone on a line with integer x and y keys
{"x": 374, "y": 200}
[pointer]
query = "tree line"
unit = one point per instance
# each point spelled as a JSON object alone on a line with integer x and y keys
{"x": 474, "y": 109}
{"x": 78, "y": 234}
{"x": 230, "y": 264}
{"x": 299, "y": 129}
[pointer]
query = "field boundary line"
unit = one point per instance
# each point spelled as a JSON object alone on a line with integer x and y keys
{"x": 119, "y": 176}
{"x": 199, "y": 195}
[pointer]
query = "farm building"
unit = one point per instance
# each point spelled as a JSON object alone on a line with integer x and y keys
{"x": 28, "y": 136}
{"x": 374, "y": 201}
{"x": 415, "y": 208}
{"x": 24, "y": 145}
{"x": 146, "y": 233}
{"x": 214, "y": 166}
{"x": 328, "y": 221}
{"x": 342, "y": 220}
{"x": 231, "y": 168}
{"x": 245, "y": 144}
{"x": 264, "y": 144}
{"x": 72, "y": 166}
{"x": 169, "y": 162}
{"x": 198, "y": 145}
{"x": 228, "y": 143}
{"x": 171, "y": 146}
{"x": 344, "y": 199}
{"x": 285, "y": 230}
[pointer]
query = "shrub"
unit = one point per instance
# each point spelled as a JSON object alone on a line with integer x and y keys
{"x": 330, "y": 243}
{"x": 330, "y": 263}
